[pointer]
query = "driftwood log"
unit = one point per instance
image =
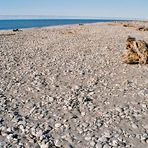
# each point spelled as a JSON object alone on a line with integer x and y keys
{"x": 136, "y": 52}
{"x": 142, "y": 28}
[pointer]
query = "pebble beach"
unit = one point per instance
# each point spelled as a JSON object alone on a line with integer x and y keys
{"x": 66, "y": 87}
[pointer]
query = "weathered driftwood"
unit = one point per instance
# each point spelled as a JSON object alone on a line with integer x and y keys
{"x": 16, "y": 30}
{"x": 129, "y": 25}
{"x": 136, "y": 52}
{"x": 142, "y": 28}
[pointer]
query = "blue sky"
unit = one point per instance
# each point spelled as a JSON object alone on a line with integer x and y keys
{"x": 92, "y": 8}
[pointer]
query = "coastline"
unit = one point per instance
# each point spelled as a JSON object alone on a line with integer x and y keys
{"x": 35, "y": 23}
{"x": 50, "y": 27}
{"x": 68, "y": 25}
{"x": 65, "y": 86}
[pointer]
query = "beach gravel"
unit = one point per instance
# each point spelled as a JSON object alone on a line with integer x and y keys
{"x": 66, "y": 87}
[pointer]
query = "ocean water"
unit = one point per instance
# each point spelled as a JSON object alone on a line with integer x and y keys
{"x": 33, "y": 23}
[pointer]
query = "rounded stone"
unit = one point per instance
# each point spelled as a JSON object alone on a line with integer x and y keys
{"x": 57, "y": 143}
{"x": 88, "y": 138}
{"x": 134, "y": 126}
{"x": 92, "y": 143}
{"x": 50, "y": 99}
{"x": 146, "y": 140}
{"x": 114, "y": 143}
{"x": 99, "y": 145}
{"x": 106, "y": 146}
{"x": 57, "y": 125}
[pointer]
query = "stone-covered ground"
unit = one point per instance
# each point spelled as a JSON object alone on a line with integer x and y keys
{"x": 65, "y": 87}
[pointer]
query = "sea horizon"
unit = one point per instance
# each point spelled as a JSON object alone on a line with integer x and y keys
{"x": 11, "y": 17}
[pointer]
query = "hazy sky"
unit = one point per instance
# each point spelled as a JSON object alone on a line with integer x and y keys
{"x": 94, "y": 8}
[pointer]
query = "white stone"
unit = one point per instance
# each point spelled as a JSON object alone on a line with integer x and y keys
{"x": 88, "y": 138}
{"x": 57, "y": 125}
{"x": 9, "y": 137}
{"x": 146, "y": 141}
{"x": 114, "y": 143}
{"x": 83, "y": 113}
{"x": 134, "y": 126}
{"x": 99, "y": 145}
{"x": 50, "y": 99}
{"x": 92, "y": 143}
{"x": 57, "y": 143}
{"x": 106, "y": 146}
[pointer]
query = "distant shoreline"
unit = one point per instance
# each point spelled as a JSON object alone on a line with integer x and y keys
{"x": 68, "y": 25}
{"x": 39, "y": 23}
